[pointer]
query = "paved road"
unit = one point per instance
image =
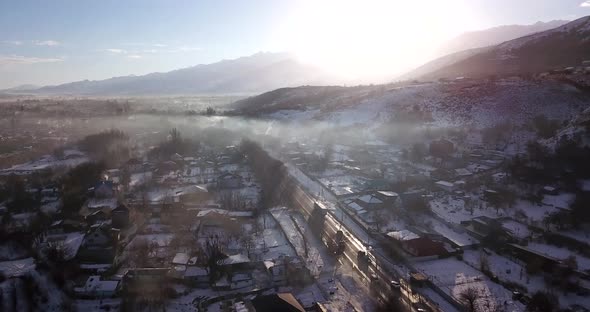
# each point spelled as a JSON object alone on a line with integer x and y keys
{"x": 380, "y": 287}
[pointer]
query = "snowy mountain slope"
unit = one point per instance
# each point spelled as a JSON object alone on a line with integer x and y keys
{"x": 578, "y": 126}
{"x": 481, "y": 104}
{"x": 567, "y": 45}
{"x": 442, "y": 62}
{"x": 496, "y": 35}
{"x": 475, "y": 42}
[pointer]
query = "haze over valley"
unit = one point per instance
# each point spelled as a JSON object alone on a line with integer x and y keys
{"x": 295, "y": 156}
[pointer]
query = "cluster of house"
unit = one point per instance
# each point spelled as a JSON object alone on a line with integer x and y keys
{"x": 158, "y": 202}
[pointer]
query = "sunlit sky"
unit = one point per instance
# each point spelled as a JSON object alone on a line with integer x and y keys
{"x": 51, "y": 42}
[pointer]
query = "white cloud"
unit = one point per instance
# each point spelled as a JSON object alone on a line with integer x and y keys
{"x": 187, "y": 49}
{"x": 49, "y": 43}
{"x": 25, "y": 60}
{"x": 13, "y": 42}
{"x": 181, "y": 49}
{"x": 116, "y": 51}
{"x": 585, "y": 4}
{"x": 159, "y": 48}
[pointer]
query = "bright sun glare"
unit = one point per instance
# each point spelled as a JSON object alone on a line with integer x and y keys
{"x": 371, "y": 39}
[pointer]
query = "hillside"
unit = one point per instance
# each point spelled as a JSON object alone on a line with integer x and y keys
{"x": 257, "y": 73}
{"x": 450, "y": 104}
{"x": 442, "y": 62}
{"x": 530, "y": 54}
{"x": 493, "y": 36}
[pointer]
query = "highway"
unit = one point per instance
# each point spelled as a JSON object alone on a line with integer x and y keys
{"x": 380, "y": 287}
{"x": 299, "y": 188}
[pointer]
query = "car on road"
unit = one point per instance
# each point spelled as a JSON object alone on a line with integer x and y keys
{"x": 395, "y": 285}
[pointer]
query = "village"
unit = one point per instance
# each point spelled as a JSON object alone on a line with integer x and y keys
{"x": 163, "y": 221}
{"x": 176, "y": 232}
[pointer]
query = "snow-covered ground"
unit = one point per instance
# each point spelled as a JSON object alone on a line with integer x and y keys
{"x": 45, "y": 162}
{"x": 282, "y": 216}
{"x": 455, "y": 277}
{"x": 12, "y": 251}
{"x": 456, "y": 235}
{"x": 511, "y": 271}
{"x": 518, "y": 100}
{"x": 453, "y": 210}
{"x": 17, "y": 268}
{"x": 560, "y": 253}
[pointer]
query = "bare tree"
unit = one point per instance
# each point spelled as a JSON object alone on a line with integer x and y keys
{"x": 571, "y": 262}
{"x": 381, "y": 218}
{"x": 140, "y": 253}
{"x": 484, "y": 263}
{"x": 469, "y": 298}
{"x": 213, "y": 252}
{"x": 125, "y": 178}
{"x": 232, "y": 200}
{"x": 57, "y": 252}
{"x": 391, "y": 304}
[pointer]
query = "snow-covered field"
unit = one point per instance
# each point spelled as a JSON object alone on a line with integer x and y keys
{"x": 45, "y": 162}
{"x": 516, "y": 100}
{"x": 455, "y": 277}
{"x": 511, "y": 271}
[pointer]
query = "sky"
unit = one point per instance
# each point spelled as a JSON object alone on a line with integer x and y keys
{"x": 58, "y": 41}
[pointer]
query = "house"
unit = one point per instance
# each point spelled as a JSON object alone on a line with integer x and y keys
{"x": 104, "y": 189}
{"x": 197, "y": 276}
{"x": 237, "y": 261}
{"x": 167, "y": 166}
{"x": 441, "y": 148}
{"x": 369, "y": 202}
{"x": 529, "y": 256}
{"x": 390, "y": 199}
{"x": 277, "y": 270}
{"x": 99, "y": 244}
{"x": 95, "y": 217}
{"x": 180, "y": 258}
{"x": 146, "y": 282}
{"x": 65, "y": 226}
{"x": 120, "y": 217}
{"x": 97, "y": 288}
{"x": 134, "y": 165}
{"x": 410, "y": 198}
{"x": 70, "y": 242}
{"x": 550, "y": 190}
{"x": 463, "y": 172}
{"x": 241, "y": 280}
{"x": 483, "y": 227}
{"x": 94, "y": 204}
{"x": 445, "y": 185}
{"x": 417, "y": 245}
{"x": 491, "y": 196}
{"x": 284, "y": 302}
{"x": 113, "y": 175}
{"x": 17, "y": 268}
{"x": 352, "y": 205}
{"x": 192, "y": 194}
{"x": 229, "y": 180}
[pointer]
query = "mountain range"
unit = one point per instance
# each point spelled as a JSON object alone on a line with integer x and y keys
{"x": 492, "y": 36}
{"x": 252, "y": 74}
{"x": 474, "y": 54}
{"x": 563, "y": 46}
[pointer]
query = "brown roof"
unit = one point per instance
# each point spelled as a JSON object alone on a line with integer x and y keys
{"x": 277, "y": 302}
